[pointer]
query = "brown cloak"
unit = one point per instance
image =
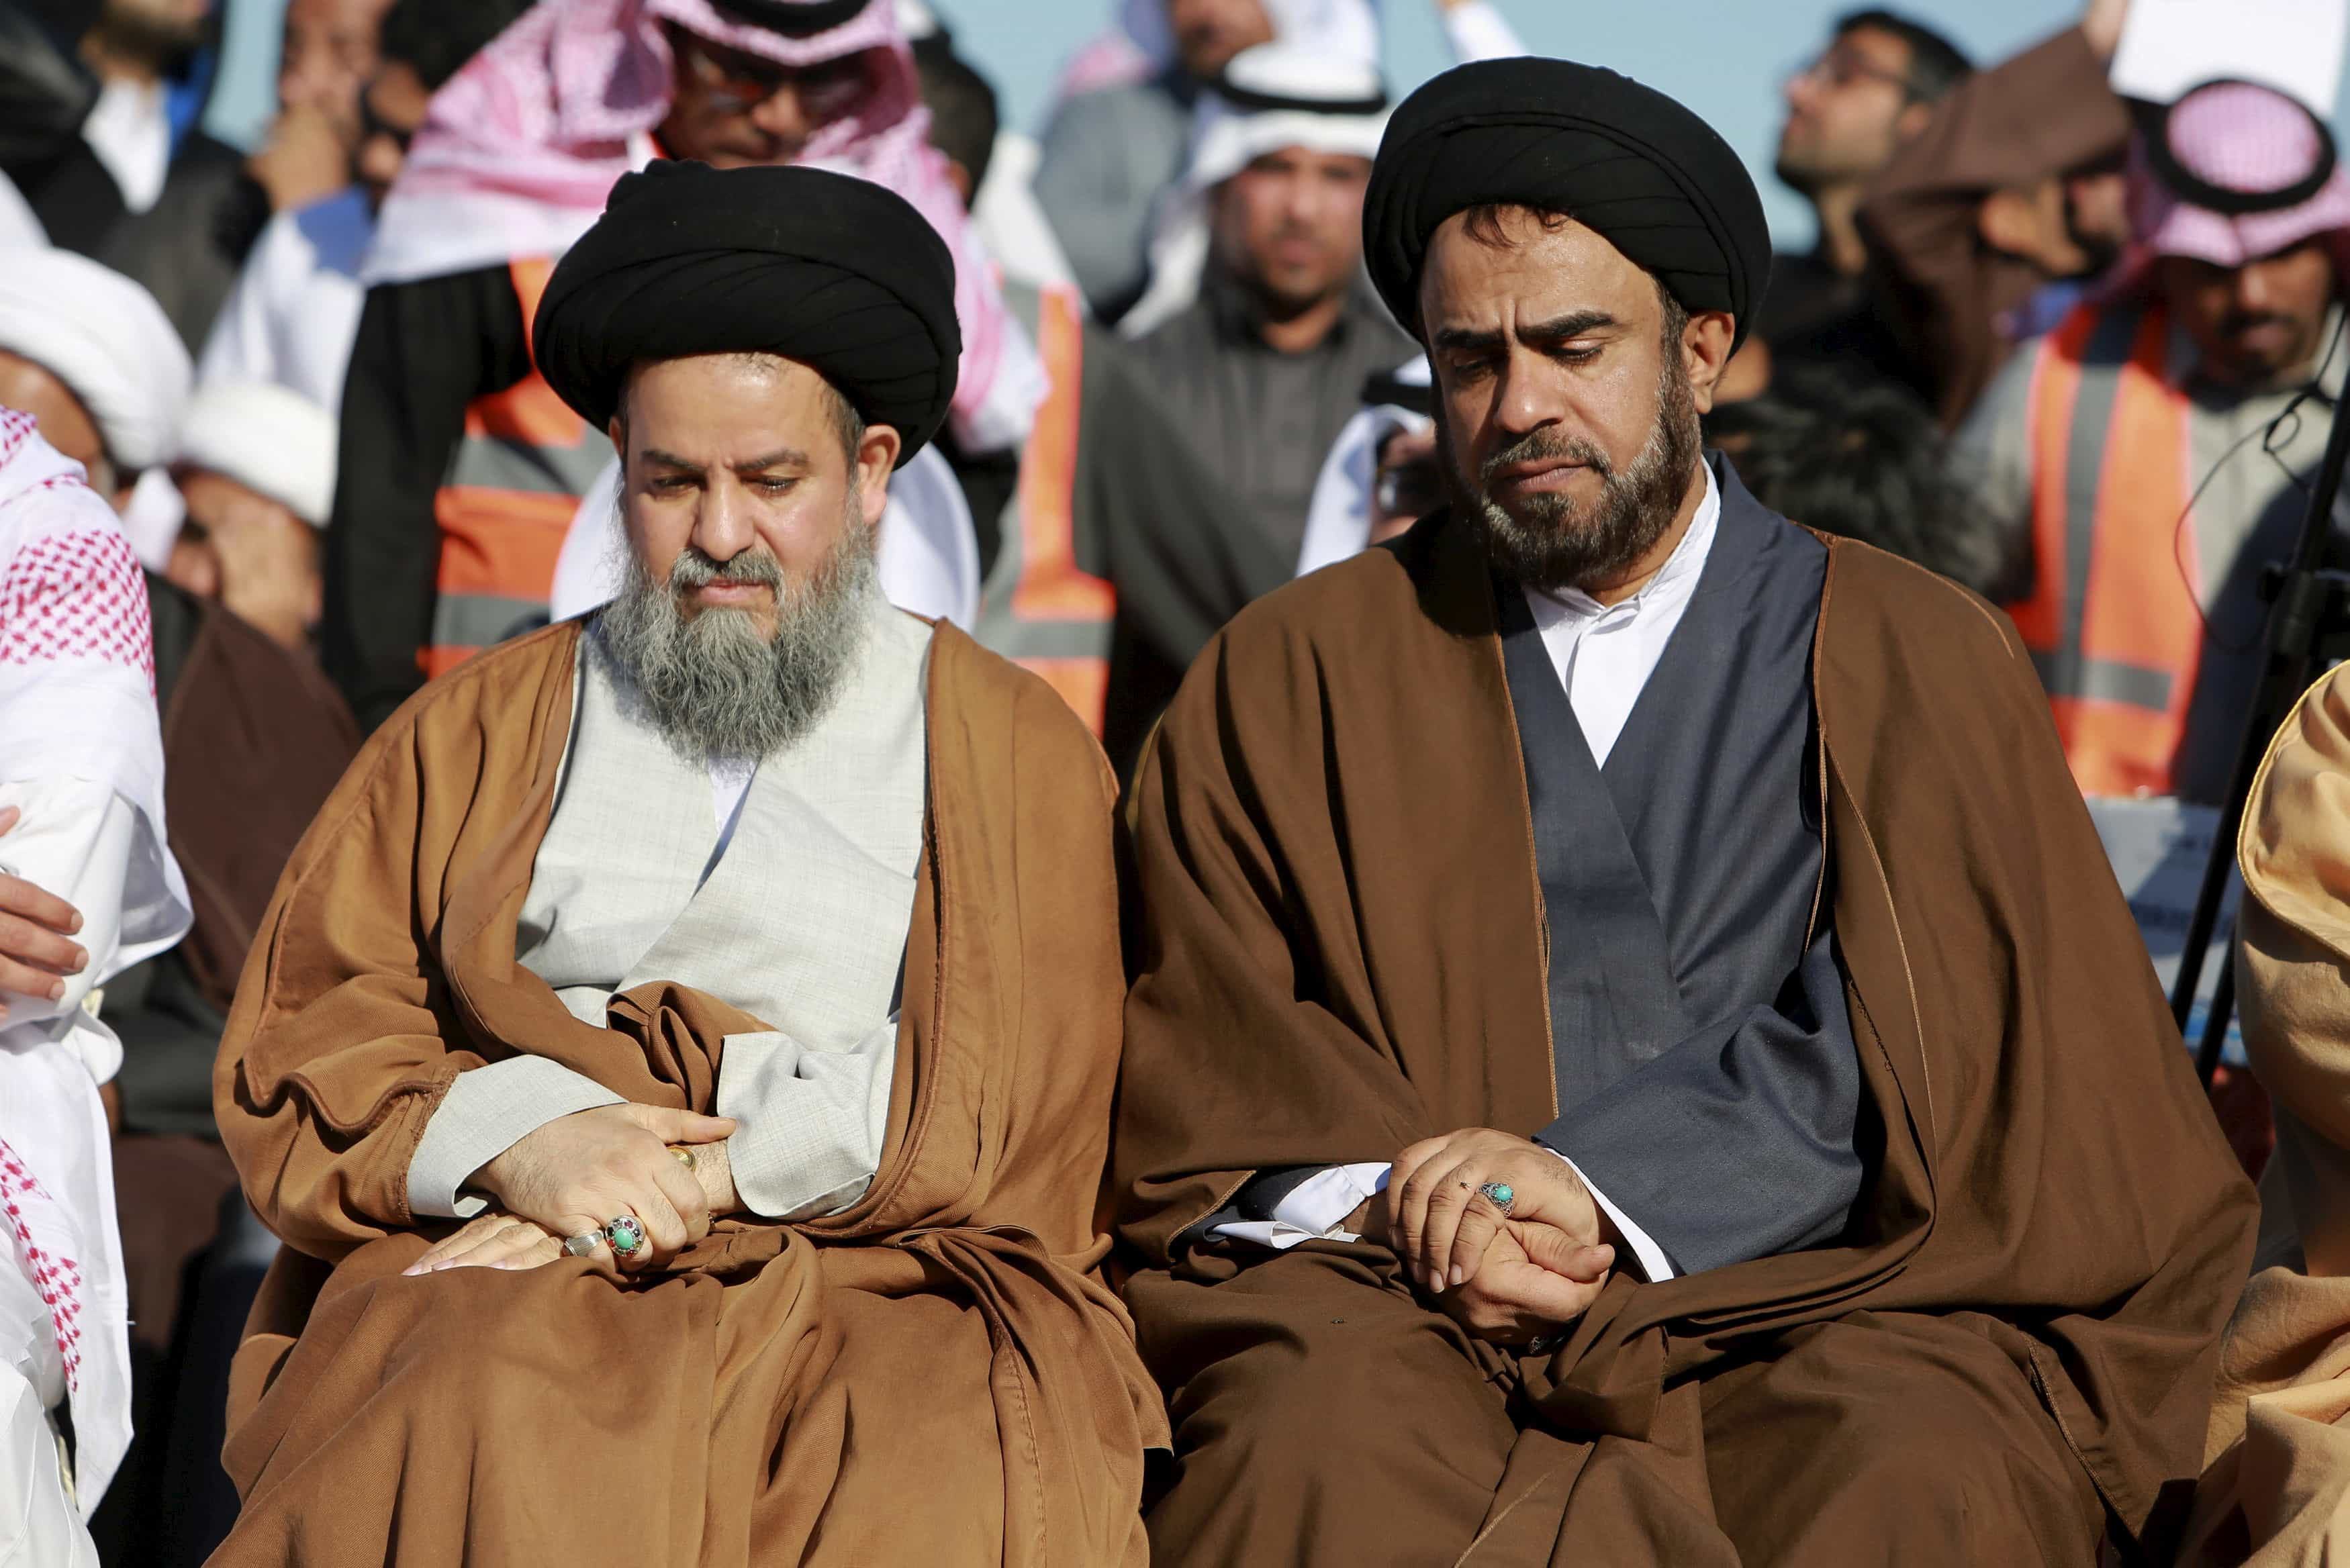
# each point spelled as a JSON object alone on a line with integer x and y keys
{"x": 1339, "y": 950}
{"x": 933, "y": 1375}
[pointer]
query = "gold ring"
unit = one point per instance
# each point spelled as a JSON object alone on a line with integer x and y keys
{"x": 684, "y": 1156}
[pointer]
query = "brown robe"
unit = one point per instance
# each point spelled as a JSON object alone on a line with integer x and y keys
{"x": 932, "y": 1376}
{"x": 1340, "y": 948}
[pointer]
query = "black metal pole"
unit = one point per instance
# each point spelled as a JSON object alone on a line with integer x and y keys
{"x": 2295, "y": 624}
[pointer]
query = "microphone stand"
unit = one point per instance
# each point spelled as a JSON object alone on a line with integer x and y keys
{"x": 2308, "y": 604}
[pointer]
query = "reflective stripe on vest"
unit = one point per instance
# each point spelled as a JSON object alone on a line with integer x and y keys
{"x": 503, "y": 509}
{"x": 2112, "y": 623}
{"x": 1040, "y": 609}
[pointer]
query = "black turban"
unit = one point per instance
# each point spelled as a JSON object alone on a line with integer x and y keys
{"x": 824, "y": 268}
{"x": 1625, "y": 160}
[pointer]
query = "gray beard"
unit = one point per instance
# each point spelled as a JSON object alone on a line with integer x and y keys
{"x": 715, "y": 686}
{"x": 1559, "y": 544}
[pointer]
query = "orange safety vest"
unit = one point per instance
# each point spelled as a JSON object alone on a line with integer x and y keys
{"x": 1039, "y": 608}
{"x": 506, "y": 503}
{"x": 2113, "y": 622}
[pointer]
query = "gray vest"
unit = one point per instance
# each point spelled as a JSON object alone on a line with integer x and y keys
{"x": 800, "y": 918}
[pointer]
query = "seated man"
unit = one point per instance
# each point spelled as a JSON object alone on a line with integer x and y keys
{"x": 1689, "y": 922}
{"x": 741, "y": 963}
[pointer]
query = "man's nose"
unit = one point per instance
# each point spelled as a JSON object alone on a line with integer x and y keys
{"x": 783, "y": 114}
{"x": 1529, "y": 397}
{"x": 2255, "y": 287}
{"x": 723, "y": 526}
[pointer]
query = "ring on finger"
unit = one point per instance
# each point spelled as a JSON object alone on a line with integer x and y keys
{"x": 1499, "y": 1194}
{"x": 584, "y": 1244}
{"x": 683, "y": 1156}
{"x": 627, "y": 1234}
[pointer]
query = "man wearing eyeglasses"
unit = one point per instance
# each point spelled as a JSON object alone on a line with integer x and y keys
{"x": 460, "y": 472}
{"x": 1848, "y": 112}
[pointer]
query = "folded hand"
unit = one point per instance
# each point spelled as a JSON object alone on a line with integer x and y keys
{"x": 1533, "y": 1280}
{"x": 35, "y": 929}
{"x": 580, "y": 1172}
{"x": 497, "y": 1242}
{"x": 1439, "y": 1222}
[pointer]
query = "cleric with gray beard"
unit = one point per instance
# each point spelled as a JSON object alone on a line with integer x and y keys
{"x": 687, "y": 1044}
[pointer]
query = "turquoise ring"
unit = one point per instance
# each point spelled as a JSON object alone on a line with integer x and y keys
{"x": 1499, "y": 1194}
{"x": 627, "y": 1235}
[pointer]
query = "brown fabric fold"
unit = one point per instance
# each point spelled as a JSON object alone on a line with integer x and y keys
{"x": 1339, "y": 951}
{"x": 934, "y": 1374}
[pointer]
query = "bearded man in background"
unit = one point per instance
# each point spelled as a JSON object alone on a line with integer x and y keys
{"x": 694, "y": 956}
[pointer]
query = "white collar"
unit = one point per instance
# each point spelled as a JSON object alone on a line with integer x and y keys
{"x": 1675, "y": 579}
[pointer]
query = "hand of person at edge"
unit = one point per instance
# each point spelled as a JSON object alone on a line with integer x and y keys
{"x": 580, "y": 1172}
{"x": 1440, "y": 1224}
{"x": 35, "y": 926}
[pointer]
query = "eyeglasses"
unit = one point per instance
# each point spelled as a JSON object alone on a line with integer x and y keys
{"x": 735, "y": 82}
{"x": 1842, "y": 68}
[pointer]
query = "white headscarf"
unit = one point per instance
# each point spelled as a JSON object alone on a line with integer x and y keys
{"x": 1272, "y": 95}
{"x": 107, "y": 339}
{"x": 1338, "y": 520}
{"x": 269, "y": 439}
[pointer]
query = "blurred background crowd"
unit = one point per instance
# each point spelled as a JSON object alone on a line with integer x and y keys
{"x": 267, "y": 270}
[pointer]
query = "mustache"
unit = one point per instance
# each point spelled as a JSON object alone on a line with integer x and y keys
{"x": 2237, "y": 321}
{"x": 1544, "y": 445}
{"x": 752, "y": 568}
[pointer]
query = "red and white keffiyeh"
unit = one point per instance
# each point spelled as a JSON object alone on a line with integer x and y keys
{"x": 522, "y": 147}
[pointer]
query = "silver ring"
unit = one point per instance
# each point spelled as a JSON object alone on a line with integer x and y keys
{"x": 584, "y": 1244}
{"x": 1499, "y": 1194}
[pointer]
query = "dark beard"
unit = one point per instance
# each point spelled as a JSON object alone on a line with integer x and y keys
{"x": 713, "y": 684}
{"x": 166, "y": 45}
{"x": 1561, "y": 544}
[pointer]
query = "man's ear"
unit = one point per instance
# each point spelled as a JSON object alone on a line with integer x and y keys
{"x": 1705, "y": 349}
{"x": 615, "y": 431}
{"x": 1912, "y": 122}
{"x": 877, "y": 456}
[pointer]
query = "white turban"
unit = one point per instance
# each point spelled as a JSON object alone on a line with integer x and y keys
{"x": 1272, "y": 95}
{"x": 107, "y": 339}
{"x": 267, "y": 438}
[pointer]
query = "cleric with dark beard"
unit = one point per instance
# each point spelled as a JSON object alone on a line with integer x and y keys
{"x": 1626, "y": 994}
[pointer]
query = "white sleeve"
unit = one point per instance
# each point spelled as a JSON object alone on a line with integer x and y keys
{"x": 74, "y": 839}
{"x": 1652, "y": 1258}
{"x": 1314, "y": 1210}
{"x": 1478, "y": 31}
{"x": 487, "y": 1111}
{"x": 808, "y": 1123}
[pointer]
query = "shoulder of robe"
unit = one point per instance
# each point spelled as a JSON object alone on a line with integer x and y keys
{"x": 1364, "y": 599}
{"x": 990, "y": 696}
{"x": 1896, "y": 624}
{"x": 497, "y": 685}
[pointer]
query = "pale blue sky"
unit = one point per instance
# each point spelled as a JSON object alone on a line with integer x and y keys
{"x": 1725, "y": 58}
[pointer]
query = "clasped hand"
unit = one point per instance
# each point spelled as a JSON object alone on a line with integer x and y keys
{"x": 578, "y": 1173}
{"x": 1508, "y": 1278}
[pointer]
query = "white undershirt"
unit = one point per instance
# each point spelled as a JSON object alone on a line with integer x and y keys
{"x": 1604, "y": 655}
{"x": 129, "y": 129}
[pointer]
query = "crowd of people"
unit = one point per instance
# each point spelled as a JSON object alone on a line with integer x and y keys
{"x": 742, "y": 821}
